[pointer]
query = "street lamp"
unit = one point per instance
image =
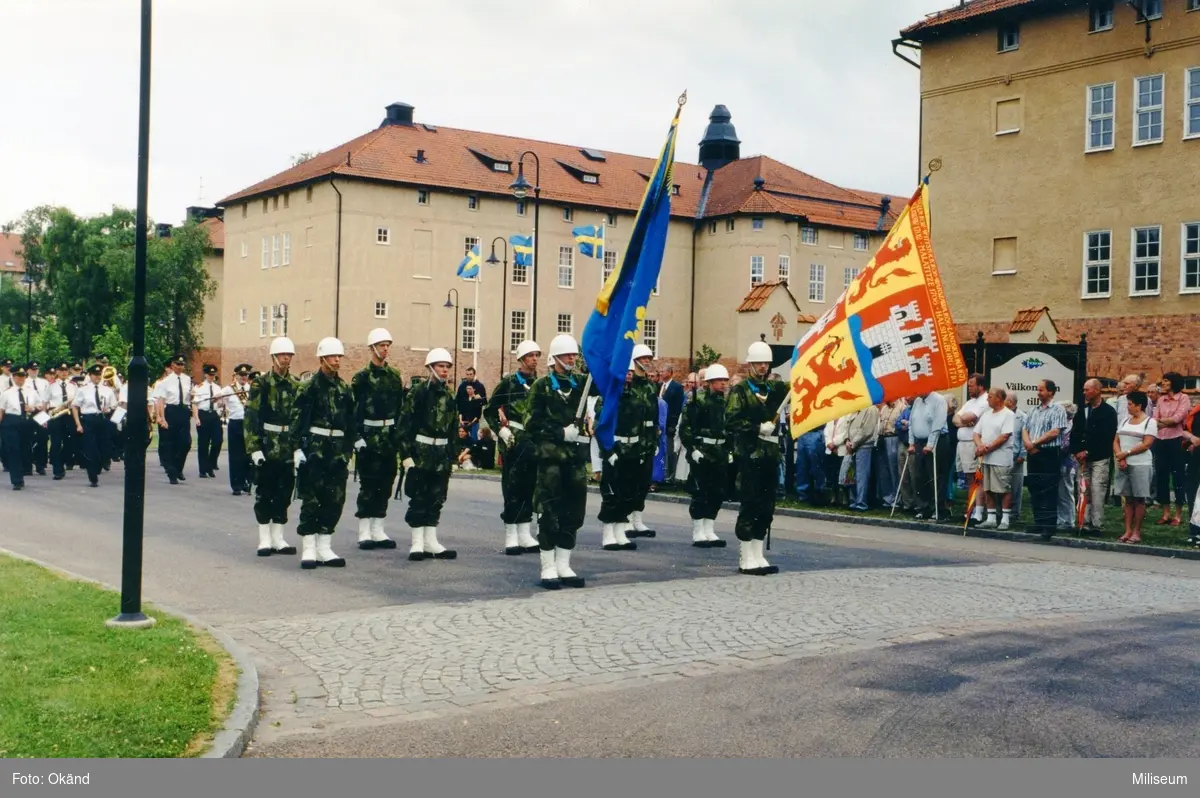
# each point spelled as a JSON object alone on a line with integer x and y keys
{"x": 492, "y": 261}
{"x": 520, "y": 189}
{"x": 455, "y": 306}
{"x": 27, "y": 280}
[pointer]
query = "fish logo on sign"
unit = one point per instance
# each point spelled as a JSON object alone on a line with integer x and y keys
{"x": 1032, "y": 363}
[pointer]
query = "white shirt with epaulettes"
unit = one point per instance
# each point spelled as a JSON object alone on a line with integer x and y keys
{"x": 10, "y": 400}
{"x": 206, "y": 396}
{"x": 59, "y": 394}
{"x": 234, "y": 406}
{"x": 168, "y": 389}
{"x": 88, "y": 393}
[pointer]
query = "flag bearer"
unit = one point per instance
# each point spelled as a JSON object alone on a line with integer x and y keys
{"x": 378, "y": 399}
{"x": 269, "y": 439}
{"x": 507, "y": 414}
{"x": 703, "y": 435}
{"x": 647, "y": 442}
{"x": 429, "y": 446}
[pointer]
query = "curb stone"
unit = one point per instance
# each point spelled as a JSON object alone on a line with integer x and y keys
{"x": 230, "y": 741}
{"x": 918, "y": 526}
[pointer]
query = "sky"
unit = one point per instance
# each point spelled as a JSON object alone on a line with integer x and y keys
{"x": 240, "y": 86}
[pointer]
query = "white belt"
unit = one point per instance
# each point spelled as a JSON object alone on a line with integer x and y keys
{"x": 648, "y": 423}
{"x": 516, "y": 425}
{"x": 771, "y": 438}
{"x": 432, "y": 441}
{"x": 583, "y": 439}
{"x": 387, "y": 422}
{"x": 274, "y": 428}
{"x": 632, "y": 439}
{"x": 713, "y": 441}
{"x": 326, "y": 433}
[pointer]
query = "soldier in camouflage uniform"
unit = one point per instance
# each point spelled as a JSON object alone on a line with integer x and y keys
{"x": 378, "y": 399}
{"x": 507, "y": 414}
{"x": 429, "y": 445}
{"x": 563, "y": 458}
{"x": 623, "y": 468}
{"x": 270, "y": 442}
{"x": 702, "y": 432}
{"x": 635, "y": 527}
{"x": 750, "y": 418}
{"x": 323, "y": 423}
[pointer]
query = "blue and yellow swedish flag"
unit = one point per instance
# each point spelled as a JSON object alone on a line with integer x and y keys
{"x": 590, "y": 239}
{"x": 522, "y": 250}
{"x": 469, "y": 266}
{"x": 618, "y": 321}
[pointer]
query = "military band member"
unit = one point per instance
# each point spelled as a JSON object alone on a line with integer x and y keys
{"x": 270, "y": 441}
{"x": 623, "y": 467}
{"x": 91, "y": 403}
{"x": 16, "y": 425}
{"x": 702, "y": 431}
{"x": 6, "y": 382}
{"x": 323, "y": 419}
{"x": 429, "y": 445}
{"x": 209, "y": 433}
{"x": 378, "y": 400}
{"x": 40, "y": 440}
{"x": 563, "y": 454}
{"x": 233, "y": 401}
{"x": 174, "y": 419}
{"x": 507, "y": 415}
{"x": 60, "y": 398}
{"x": 648, "y": 442}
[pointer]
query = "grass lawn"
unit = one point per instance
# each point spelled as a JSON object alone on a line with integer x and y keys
{"x": 72, "y": 687}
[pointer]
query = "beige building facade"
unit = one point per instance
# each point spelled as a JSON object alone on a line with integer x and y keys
{"x": 1068, "y": 136}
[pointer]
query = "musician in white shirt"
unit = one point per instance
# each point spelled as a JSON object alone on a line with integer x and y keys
{"x": 91, "y": 402}
{"x": 17, "y": 405}
{"x": 174, "y": 419}
{"x": 209, "y": 433}
{"x": 233, "y": 399}
{"x": 59, "y": 395}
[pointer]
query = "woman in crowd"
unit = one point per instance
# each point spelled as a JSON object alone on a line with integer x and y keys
{"x": 1169, "y": 414}
{"x": 1131, "y": 451}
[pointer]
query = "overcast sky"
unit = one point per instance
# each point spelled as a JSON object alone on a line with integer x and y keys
{"x": 239, "y": 86}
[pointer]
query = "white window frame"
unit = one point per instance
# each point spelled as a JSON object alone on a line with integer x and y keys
{"x": 1090, "y": 117}
{"x": 308, "y": 310}
{"x": 1092, "y": 27}
{"x": 569, "y": 328}
{"x": 422, "y": 196}
{"x": 242, "y": 317}
{"x": 568, "y": 215}
{"x": 1191, "y": 101}
{"x": 1002, "y": 45}
{"x": 472, "y": 202}
{"x": 287, "y": 249}
{"x": 520, "y": 207}
{"x": 605, "y": 269}
{"x": 611, "y": 220}
{"x": 383, "y": 236}
{"x": 816, "y": 282}
{"x": 381, "y": 310}
{"x": 1185, "y": 257}
{"x": 467, "y": 325}
{"x": 758, "y": 269}
{"x": 245, "y": 249}
{"x": 469, "y": 243}
{"x": 1156, "y": 15}
{"x": 730, "y": 225}
{"x": 266, "y": 253}
{"x": 785, "y": 268}
{"x": 848, "y": 275}
{"x": 272, "y": 317}
{"x": 1138, "y": 109}
{"x": 650, "y": 334}
{"x": 516, "y": 332}
{"x": 1135, "y": 261}
{"x": 520, "y": 275}
{"x": 806, "y": 233}
{"x": 262, "y": 321}
{"x": 1192, "y": 5}
{"x": 283, "y": 316}
{"x": 865, "y": 239}
{"x": 712, "y": 228}
{"x": 758, "y": 223}
{"x": 275, "y": 251}
{"x": 566, "y": 261}
{"x": 1083, "y": 289}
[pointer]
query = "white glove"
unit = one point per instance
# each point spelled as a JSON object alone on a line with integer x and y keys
{"x": 766, "y": 428}
{"x": 612, "y": 460}
{"x": 409, "y": 463}
{"x": 731, "y": 457}
{"x": 258, "y": 458}
{"x": 299, "y": 458}
{"x": 697, "y": 456}
{"x": 570, "y": 434}
{"x": 359, "y": 445}
{"x": 506, "y": 436}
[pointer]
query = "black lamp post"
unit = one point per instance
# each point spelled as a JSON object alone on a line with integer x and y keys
{"x": 520, "y": 189}
{"x": 455, "y": 306}
{"x": 131, "y": 615}
{"x": 27, "y": 279}
{"x": 491, "y": 259}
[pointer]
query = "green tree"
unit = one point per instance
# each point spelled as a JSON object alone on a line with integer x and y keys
{"x": 49, "y": 345}
{"x": 12, "y": 343}
{"x": 705, "y": 356}
{"x": 115, "y": 344}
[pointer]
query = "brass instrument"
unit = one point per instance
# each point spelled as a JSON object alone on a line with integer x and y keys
{"x": 60, "y": 411}
{"x": 108, "y": 377}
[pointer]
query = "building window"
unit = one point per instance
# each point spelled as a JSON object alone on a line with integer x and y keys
{"x": 756, "y": 224}
{"x": 469, "y": 243}
{"x": 650, "y": 335}
{"x": 472, "y": 202}
{"x": 785, "y": 267}
{"x": 516, "y": 329}
{"x": 1008, "y": 116}
{"x": 501, "y": 166}
{"x": 566, "y": 324}
{"x": 566, "y": 267}
{"x": 381, "y": 310}
{"x": 274, "y": 250}
{"x": 275, "y": 202}
{"x": 422, "y": 197}
{"x": 612, "y": 220}
{"x": 1191, "y": 110}
{"x": 568, "y": 214}
{"x": 861, "y": 241}
{"x": 1101, "y": 111}
{"x": 1097, "y": 264}
{"x": 816, "y": 282}
{"x": 264, "y": 205}
{"x": 283, "y": 319}
{"x": 1101, "y": 17}
{"x": 266, "y": 252}
{"x": 383, "y": 235}
{"x": 712, "y": 228}
{"x": 848, "y": 275}
{"x": 467, "y": 342}
{"x": 729, "y": 224}
{"x": 610, "y": 264}
{"x": 1146, "y": 261}
{"x": 245, "y": 249}
{"x": 308, "y": 236}
{"x": 262, "y": 321}
{"x": 757, "y": 269}
{"x": 308, "y": 310}
{"x": 245, "y": 208}
{"x": 1189, "y": 274}
{"x": 242, "y": 317}
{"x": 520, "y": 274}
{"x": 287, "y": 199}
{"x": 1148, "y": 110}
{"x": 520, "y": 207}
{"x": 308, "y": 194}
{"x": 1004, "y": 256}
{"x": 808, "y": 235}
{"x": 1193, "y": 5}
{"x": 1152, "y": 9}
{"x": 274, "y": 319}
{"x": 287, "y": 249}
{"x": 1008, "y": 38}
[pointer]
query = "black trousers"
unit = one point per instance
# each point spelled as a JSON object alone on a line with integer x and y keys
{"x": 40, "y": 448}
{"x": 61, "y": 431}
{"x": 620, "y": 489}
{"x": 95, "y": 436}
{"x": 274, "y": 482}
{"x": 239, "y": 461}
{"x": 707, "y": 481}
{"x": 757, "y": 480}
{"x": 176, "y": 440}
{"x": 1170, "y": 466}
{"x": 16, "y": 438}
{"x": 1042, "y": 478}
{"x": 209, "y": 437}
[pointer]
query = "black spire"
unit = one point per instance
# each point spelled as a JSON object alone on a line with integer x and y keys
{"x": 720, "y": 144}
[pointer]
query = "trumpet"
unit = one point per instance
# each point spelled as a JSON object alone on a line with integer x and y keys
{"x": 60, "y": 412}
{"x": 108, "y": 376}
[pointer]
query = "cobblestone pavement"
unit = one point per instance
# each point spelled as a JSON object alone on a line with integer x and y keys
{"x": 424, "y": 661}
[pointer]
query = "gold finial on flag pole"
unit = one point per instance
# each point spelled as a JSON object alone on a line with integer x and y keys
{"x": 935, "y": 165}
{"x": 683, "y": 98}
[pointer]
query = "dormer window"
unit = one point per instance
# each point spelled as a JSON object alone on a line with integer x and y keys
{"x": 502, "y": 166}
{"x": 579, "y": 173}
{"x": 493, "y": 162}
{"x": 591, "y": 178}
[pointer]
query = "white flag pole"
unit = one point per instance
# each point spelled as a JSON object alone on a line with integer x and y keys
{"x": 478, "y": 323}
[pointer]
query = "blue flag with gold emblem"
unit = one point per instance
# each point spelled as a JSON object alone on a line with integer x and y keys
{"x": 618, "y": 321}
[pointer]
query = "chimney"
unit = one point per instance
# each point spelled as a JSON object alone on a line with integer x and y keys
{"x": 398, "y": 114}
{"x": 885, "y": 205}
{"x": 420, "y": 156}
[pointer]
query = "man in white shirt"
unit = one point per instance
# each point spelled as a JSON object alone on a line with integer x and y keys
{"x": 994, "y": 444}
{"x": 174, "y": 419}
{"x": 234, "y": 401}
{"x": 91, "y": 402}
{"x": 40, "y": 442}
{"x": 209, "y": 434}
{"x": 59, "y": 395}
{"x": 966, "y": 462}
{"x": 16, "y": 429}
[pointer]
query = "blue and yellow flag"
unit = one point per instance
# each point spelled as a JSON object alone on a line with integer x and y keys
{"x": 590, "y": 239}
{"x": 522, "y": 250}
{"x": 468, "y": 268}
{"x": 618, "y": 321}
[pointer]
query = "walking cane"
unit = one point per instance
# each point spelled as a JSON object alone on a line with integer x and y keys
{"x": 896, "y": 500}
{"x": 937, "y": 499}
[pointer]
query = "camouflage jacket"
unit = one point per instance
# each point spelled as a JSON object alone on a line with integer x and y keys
{"x": 637, "y": 422}
{"x": 430, "y": 413}
{"x": 704, "y": 422}
{"x": 751, "y": 403}
{"x": 378, "y": 396}
{"x": 326, "y": 403}
{"x": 553, "y": 403}
{"x": 270, "y": 402}
{"x": 512, "y": 396}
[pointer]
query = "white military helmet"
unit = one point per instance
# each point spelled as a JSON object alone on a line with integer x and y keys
{"x": 715, "y": 372}
{"x": 378, "y": 336}
{"x": 330, "y": 346}
{"x": 282, "y": 346}
{"x": 632, "y": 364}
{"x": 563, "y": 345}
{"x": 641, "y": 350}
{"x": 438, "y": 355}
{"x": 526, "y": 348}
{"x": 759, "y": 352}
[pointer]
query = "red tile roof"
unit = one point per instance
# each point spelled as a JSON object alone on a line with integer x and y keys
{"x": 759, "y": 295}
{"x": 964, "y": 11}
{"x": 1027, "y": 318}
{"x": 216, "y": 232}
{"x": 460, "y": 160}
{"x": 10, "y": 261}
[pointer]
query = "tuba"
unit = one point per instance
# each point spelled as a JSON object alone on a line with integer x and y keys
{"x": 108, "y": 377}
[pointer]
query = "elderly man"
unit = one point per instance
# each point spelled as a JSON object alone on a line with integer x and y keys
{"x": 966, "y": 463}
{"x": 1043, "y": 436}
{"x": 927, "y": 425}
{"x": 1092, "y": 433}
{"x": 994, "y": 447}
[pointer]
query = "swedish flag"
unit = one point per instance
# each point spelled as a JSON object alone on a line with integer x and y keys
{"x": 469, "y": 266}
{"x": 618, "y": 321}
{"x": 590, "y": 239}
{"x": 522, "y": 250}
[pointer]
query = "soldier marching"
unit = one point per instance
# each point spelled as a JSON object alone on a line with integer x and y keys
{"x": 507, "y": 413}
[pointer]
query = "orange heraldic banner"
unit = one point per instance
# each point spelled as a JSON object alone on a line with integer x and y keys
{"x": 890, "y": 335}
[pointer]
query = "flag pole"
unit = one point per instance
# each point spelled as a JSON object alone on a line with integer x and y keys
{"x": 478, "y": 323}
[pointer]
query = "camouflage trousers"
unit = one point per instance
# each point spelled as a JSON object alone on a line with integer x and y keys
{"x": 274, "y": 482}
{"x": 620, "y": 489}
{"x": 707, "y": 482}
{"x": 377, "y": 469}
{"x": 322, "y": 489}
{"x": 560, "y": 500}
{"x": 518, "y": 478}
{"x": 426, "y": 492}
{"x": 757, "y": 479}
